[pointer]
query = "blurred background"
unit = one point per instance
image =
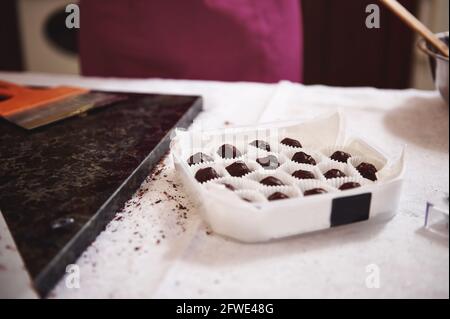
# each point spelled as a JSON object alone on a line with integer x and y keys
{"x": 338, "y": 49}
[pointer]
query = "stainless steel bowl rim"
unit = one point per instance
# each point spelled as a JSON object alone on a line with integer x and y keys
{"x": 423, "y": 46}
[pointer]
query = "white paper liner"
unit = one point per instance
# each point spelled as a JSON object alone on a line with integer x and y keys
{"x": 195, "y": 151}
{"x": 355, "y": 161}
{"x": 244, "y": 136}
{"x": 218, "y": 167}
{"x": 242, "y": 147}
{"x": 252, "y": 195}
{"x": 318, "y": 157}
{"x": 254, "y": 155}
{"x": 238, "y": 183}
{"x": 366, "y": 150}
{"x": 291, "y": 191}
{"x": 255, "y": 152}
{"x": 233, "y": 136}
{"x": 283, "y": 148}
{"x": 337, "y": 182}
{"x": 345, "y": 168}
{"x": 290, "y": 167}
{"x": 307, "y": 184}
{"x": 261, "y": 174}
{"x": 271, "y": 140}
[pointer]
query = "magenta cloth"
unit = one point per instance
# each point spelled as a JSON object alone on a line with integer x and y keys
{"x": 228, "y": 40}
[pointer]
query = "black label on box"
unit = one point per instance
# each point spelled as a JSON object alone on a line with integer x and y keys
{"x": 350, "y": 209}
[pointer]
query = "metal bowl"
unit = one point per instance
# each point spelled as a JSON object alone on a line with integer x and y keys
{"x": 438, "y": 64}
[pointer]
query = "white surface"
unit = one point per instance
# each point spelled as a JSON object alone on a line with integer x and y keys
{"x": 132, "y": 259}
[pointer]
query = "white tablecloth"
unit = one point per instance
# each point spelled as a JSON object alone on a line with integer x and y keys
{"x": 156, "y": 248}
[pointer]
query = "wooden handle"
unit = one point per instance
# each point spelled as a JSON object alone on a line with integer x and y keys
{"x": 416, "y": 25}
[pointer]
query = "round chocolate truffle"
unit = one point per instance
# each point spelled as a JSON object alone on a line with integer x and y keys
{"x": 367, "y": 170}
{"x": 291, "y": 142}
{"x": 271, "y": 181}
{"x": 261, "y": 144}
{"x": 334, "y": 173}
{"x": 349, "y": 185}
{"x": 314, "y": 191}
{"x": 238, "y": 169}
{"x": 301, "y": 174}
{"x": 198, "y": 158}
{"x": 302, "y": 157}
{"x": 205, "y": 174}
{"x": 228, "y": 151}
{"x": 268, "y": 162}
{"x": 340, "y": 156}
{"x": 277, "y": 196}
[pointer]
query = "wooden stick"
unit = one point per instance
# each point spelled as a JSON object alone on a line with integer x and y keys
{"x": 416, "y": 25}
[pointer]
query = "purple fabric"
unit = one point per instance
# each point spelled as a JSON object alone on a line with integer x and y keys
{"x": 228, "y": 40}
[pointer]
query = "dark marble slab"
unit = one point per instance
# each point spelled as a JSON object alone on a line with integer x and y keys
{"x": 61, "y": 184}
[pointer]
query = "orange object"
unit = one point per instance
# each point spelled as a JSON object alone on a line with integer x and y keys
{"x": 35, "y": 107}
{"x": 19, "y": 98}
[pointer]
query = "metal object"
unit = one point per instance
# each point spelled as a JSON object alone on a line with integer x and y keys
{"x": 438, "y": 63}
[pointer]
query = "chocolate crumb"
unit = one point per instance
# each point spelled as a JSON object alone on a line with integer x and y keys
{"x": 158, "y": 171}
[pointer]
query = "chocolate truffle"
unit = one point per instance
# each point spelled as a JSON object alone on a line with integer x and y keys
{"x": 291, "y": 142}
{"x": 340, "y": 156}
{"x": 261, "y": 144}
{"x": 367, "y": 170}
{"x": 228, "y": 151}
{"x": 349, "y": 185}
{"x": 205, "y": 174}
{"x": 301, "y": 174}
{"x": 277, "y": 195}
{"x": 334, "y": 173}
{"x": 238, "y": 169}
{"x": 302, "y": 157}
{"x": 271, "y": 181}
{"x": 268, "y": 162}
{"x": 314, "y": 191}
{"x": 198, "y": 158}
